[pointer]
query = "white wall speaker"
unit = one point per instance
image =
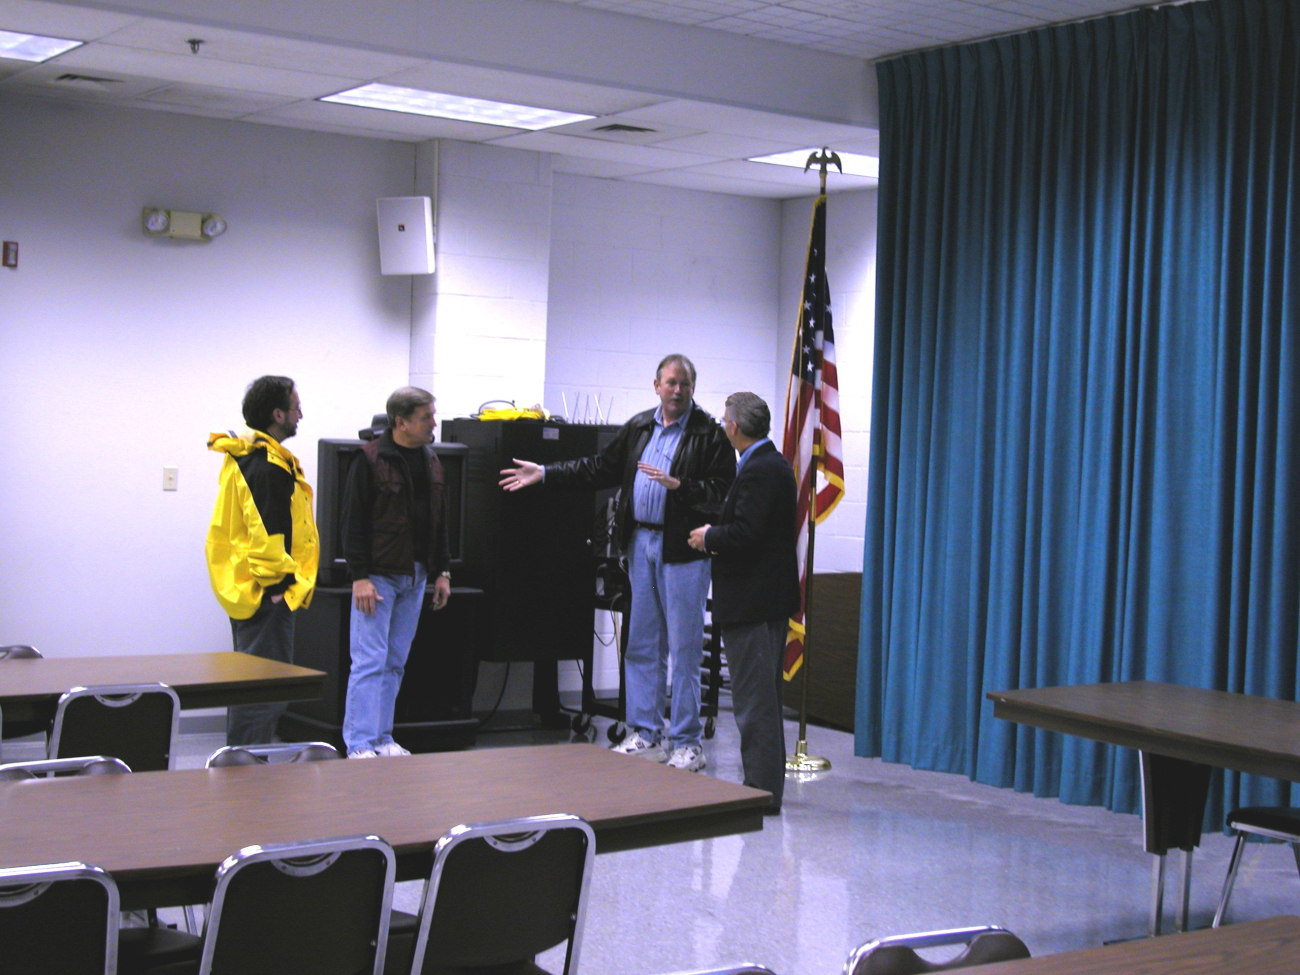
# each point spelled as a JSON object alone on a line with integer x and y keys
{"x": 405, "y": 234}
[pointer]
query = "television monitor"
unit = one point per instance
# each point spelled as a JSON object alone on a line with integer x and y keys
{"x": 334, "y": 460}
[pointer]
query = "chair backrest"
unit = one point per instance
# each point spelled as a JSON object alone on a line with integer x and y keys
{"x": 897, "y": 955}
{"x": 134, "y": 722}
{"x": 20, "y": 651}
{"x": 505, "y": 891}
{"x": 298, "y": 751}
{"x": 320, "y": 906}
{"x": 50, "y": 767}
{"x": 58, "y": 919}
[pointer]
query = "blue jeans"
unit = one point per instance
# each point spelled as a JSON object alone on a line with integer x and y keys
{"x": 380, "y": 645}
{"x": 667, "y": 618}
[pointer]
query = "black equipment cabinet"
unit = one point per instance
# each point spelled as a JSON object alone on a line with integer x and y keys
{"x": 530, "y": 551}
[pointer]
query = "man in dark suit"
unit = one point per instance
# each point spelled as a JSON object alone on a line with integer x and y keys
{"x": 755, "y": 586}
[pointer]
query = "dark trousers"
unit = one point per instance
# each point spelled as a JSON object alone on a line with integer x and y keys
{"x": 755, "y": 653}
{"x": 267, "y": 633}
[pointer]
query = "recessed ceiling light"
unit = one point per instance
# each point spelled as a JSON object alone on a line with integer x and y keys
{"x": 415, "y": 101}
{"x": 854, "y": 164}
{"x": 33, "y": 47}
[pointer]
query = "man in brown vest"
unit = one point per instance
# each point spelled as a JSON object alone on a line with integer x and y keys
{"x": 394, "y": 539}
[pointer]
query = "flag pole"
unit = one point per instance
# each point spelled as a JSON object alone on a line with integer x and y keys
{"x": 801, "y": 761}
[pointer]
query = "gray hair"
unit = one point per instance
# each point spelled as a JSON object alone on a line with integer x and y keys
{"x": 406, "y": 401}
{"x": 750, "y": 413}
{"x": 678, "y": 359}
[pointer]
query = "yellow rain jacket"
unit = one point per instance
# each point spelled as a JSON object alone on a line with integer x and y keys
{"x": 244, "y": 558}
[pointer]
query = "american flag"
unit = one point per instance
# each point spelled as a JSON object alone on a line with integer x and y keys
{"x": 812, "y": 415}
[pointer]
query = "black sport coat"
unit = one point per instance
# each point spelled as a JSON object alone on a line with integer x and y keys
{"x": 755, "y": 570}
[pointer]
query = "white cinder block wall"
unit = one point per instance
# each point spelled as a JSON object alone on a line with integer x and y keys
{"x": 638, "y": 271}
{"x": 120, "y": 352}
{"x": 478, "y": 328}
{"x": 851, "y": 268}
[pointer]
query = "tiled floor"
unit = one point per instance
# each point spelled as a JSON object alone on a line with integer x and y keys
{"x": 869, "y": 849}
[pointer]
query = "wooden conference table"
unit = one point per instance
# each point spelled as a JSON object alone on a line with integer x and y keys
{"x": 1268, "y": 947}
{"x": 163, "y": 834}
{"x": 1182, "y": 733}
{"x": 30, "y": 689}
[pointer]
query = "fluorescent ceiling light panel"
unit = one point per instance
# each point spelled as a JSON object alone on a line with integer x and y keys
{"x": 33, "y": 47}
{"x": 854, "y": 163}
{"x": 415, "y": 101}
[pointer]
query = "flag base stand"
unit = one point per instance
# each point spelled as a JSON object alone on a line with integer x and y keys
{"x": 801, "y": 761}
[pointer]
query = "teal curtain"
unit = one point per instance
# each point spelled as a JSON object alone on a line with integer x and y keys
{"x": 1085, "y": 463}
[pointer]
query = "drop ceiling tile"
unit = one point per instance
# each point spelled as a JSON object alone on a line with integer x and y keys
{"x": 520, "y": 89}
{"x": 201, "y": 71}
{"x": 199, "y": 110}
{"x": 754, "y": 124}
{"x": 602, "y": 168}
{"x": 222, "y": 100}
{"x": 43, "y": 79}
{"x": 648, "y": 156}
{"x": 59, "y": 20}
{"x": 399, "y": 124}
{"x": 658, "y": 133}
{"x": 242, "y": 47}
{"x": 687, "y": 180}
{"x": 316, "y": 125}
{"x": 727, "y": 146}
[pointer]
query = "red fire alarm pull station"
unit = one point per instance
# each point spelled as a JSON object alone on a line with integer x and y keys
{"x": 11, "y": 253}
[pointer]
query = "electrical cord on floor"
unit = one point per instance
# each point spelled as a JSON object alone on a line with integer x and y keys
{"x": 505, "y": 681}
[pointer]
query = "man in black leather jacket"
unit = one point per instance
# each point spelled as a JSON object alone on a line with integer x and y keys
{"x": 674, "y": 466}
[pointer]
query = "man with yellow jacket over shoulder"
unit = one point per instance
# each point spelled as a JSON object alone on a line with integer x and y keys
{"x": 263, "y": 549}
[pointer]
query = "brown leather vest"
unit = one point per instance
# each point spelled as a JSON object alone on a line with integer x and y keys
{"x": 392, "y": 537}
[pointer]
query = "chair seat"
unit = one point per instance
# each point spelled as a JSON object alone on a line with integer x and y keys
{"x": 145, "y": 949}
{"x": 1275, "y": 819}
{"x": 24, "y": 729}
{"x": 404, "y": 928}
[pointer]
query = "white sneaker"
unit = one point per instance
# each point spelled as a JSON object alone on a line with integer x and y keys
{"x": 642, "y": 747}
{"x": 363, "y": 753}
{"x": 689, "y": 758}
{"x": 391, "y": 749}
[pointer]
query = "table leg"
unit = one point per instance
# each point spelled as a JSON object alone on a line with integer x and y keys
{"x": 1185, "y": 892}
{"x": 1157, "y": 892}
{"x": 1173, "y": 806}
